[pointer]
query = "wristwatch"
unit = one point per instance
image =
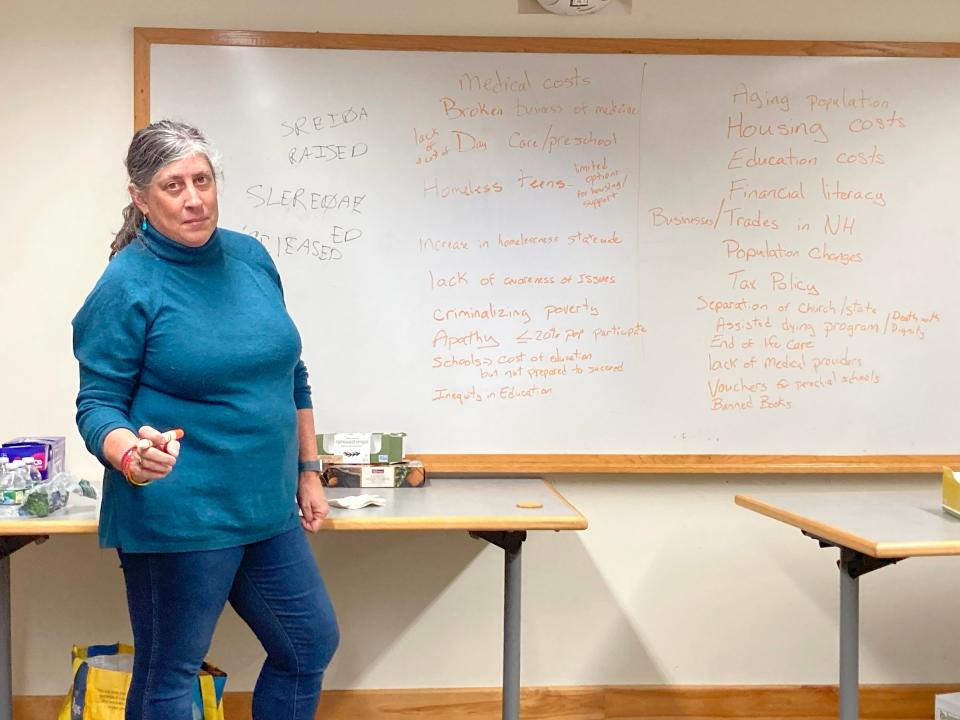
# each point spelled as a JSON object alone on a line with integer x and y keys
{"x": 310, "y": 466}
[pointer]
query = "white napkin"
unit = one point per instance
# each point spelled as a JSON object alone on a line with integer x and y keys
{"x": 355, "y": 502}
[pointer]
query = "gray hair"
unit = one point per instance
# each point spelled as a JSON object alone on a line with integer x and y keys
{"x": 151, "y": 149}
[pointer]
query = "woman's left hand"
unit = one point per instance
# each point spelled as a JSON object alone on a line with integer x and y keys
{"x": 312, "y": 501}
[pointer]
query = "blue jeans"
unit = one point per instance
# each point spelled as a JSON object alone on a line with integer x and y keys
{"x": 175, "y": 600}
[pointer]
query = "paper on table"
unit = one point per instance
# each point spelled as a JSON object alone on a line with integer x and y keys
{"x": 355, "y": 502}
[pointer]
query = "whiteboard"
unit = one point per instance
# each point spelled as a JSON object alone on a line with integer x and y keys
{"x": 596, "y": 253}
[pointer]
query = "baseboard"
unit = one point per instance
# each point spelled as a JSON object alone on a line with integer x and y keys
{"x": 614, "y": 702}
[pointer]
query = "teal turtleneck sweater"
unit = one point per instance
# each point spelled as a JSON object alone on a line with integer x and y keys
{"x": 198, "y": 338}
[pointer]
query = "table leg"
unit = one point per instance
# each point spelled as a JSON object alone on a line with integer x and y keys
{"x": 9, "y": 544}
{"x": 852, "y": 565}
{"x": 511, "y": 632}
{"x": 849, "y": 637}
{"x": 511, "y": 542}
{"x": 6, "y": 679}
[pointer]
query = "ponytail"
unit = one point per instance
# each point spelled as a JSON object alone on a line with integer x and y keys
{"x": 132, "y": 220}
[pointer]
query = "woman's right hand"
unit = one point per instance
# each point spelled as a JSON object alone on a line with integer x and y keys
{"x": 148, "y": 461}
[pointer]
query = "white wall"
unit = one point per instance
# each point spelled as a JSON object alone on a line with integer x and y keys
{"x": 672, "y": 583}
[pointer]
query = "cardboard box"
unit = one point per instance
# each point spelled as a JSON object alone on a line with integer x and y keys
{"x": 361, "y": 448}
{"x": 947, "y": 707}
{"x": 48, "y": 451}
{"x": 409, "y": 474}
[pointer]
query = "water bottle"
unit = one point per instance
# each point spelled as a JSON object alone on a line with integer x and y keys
{"x": 19, "y": 478}
{"x": 14, "y": 484}
{"x": 32, "y": 472}
{"x": 4, "y": 472}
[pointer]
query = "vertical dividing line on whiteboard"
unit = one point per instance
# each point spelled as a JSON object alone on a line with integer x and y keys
{"x": 639, "y": 292}
{"x": 643, "y": 74}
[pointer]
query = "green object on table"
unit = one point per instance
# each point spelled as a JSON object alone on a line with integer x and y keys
{"x": 87, "y": 490}
{"x": 37, "y": 504}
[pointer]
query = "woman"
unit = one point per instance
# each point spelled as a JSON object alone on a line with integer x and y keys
{"x": 186, "y": 328}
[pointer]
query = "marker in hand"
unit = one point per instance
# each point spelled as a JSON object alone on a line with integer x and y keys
{"x": 169, "y": 436}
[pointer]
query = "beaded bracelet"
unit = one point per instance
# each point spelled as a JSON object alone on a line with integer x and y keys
{"x": 125, "y": 467}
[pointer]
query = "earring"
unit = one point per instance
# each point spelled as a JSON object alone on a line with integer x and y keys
{"x": 143, "y": 224}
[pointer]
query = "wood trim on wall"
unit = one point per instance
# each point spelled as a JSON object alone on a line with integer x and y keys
{"x": 144, "y": 37}
{"x": 673, "y": 464}
{"x": 483, "y": 43}
{"x": 640, "y": 702}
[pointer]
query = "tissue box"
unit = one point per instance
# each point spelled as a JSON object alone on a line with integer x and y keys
{"x": 361, "y": 448}
{"x": 947, "y": 707}
{"x": 405, "y": 474}
{"x": 48, "y": 451}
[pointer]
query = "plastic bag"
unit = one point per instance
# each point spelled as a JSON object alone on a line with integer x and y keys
{"x": 48, "y": 497}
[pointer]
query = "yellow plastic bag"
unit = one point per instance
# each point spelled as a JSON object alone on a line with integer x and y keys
{"x": 101, "y": 678}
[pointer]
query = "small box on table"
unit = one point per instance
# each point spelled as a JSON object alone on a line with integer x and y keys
{"x": 48, "y": 450}
{"x": 407, "y": 474}
{"x": 361, "y": 448}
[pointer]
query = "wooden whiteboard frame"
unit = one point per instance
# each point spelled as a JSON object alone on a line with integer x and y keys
{"x": 144, "y": 38}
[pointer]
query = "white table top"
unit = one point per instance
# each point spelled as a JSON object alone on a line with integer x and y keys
{"x": 464, "y": 504}
{"x": 883, "y": 524}
{"x": 444, "y": 504}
